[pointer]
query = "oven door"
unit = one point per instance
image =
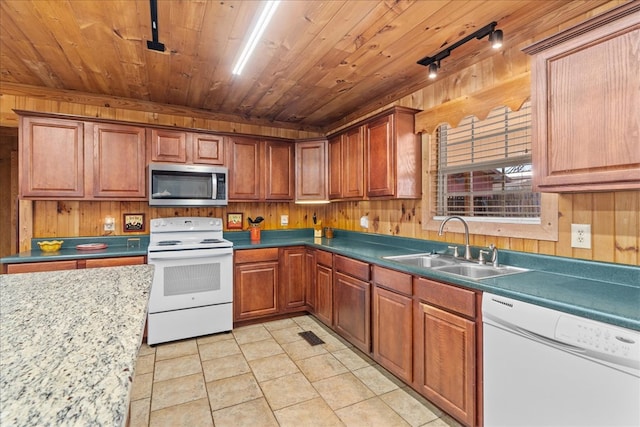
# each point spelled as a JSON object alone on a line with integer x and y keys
{"x": 191, "y": 278}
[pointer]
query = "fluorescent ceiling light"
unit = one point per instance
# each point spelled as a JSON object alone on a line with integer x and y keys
{"x": 250, "y": 44}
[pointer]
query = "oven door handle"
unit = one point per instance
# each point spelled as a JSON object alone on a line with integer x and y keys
{"x": 191, "y": 254}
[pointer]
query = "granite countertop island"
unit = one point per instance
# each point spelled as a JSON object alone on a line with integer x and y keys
{"x": 68, "y": 344}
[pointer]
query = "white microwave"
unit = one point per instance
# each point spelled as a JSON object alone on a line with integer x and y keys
{"x": 187, "y": 185}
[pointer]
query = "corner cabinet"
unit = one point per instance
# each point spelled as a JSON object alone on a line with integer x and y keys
{"x": 323, "y": 273}
{"x": 393, "y": 156}
{"x": 586, "y": 97}
{"x": 311, "y": 170}
{"x": 293, "y": 279}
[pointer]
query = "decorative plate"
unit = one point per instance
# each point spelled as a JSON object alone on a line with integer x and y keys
{"x": 91, "y": 246}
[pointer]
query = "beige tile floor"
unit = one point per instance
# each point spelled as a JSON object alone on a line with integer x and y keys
{"x": 267, "y": 375}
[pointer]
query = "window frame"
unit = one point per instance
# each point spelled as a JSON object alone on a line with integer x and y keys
{"x": 544, "y": 229}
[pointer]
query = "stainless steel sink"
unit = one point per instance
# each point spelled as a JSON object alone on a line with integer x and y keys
{"x": 426, "y": 260}
{"x": 476, "y": 271}
{"x": 451, "y": 265}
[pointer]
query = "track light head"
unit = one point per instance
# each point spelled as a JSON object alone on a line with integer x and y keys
{"x": 433, "y": 70}
{"x": 495, "y": 38}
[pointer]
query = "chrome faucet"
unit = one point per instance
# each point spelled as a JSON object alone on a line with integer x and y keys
{"x": 467, "y": 249}
{"x": 494, "y": 255}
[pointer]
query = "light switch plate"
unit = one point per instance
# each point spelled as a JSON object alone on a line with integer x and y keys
{"x": 581, "y": 236}
{"x": 364, "y": 222}
{"x": 284, "y": 220}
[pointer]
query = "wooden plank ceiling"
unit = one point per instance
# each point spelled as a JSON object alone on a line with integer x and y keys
{"x": 319, "y": 64}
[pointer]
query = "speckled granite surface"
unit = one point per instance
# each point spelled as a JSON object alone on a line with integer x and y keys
{"x": 68, "y": 345}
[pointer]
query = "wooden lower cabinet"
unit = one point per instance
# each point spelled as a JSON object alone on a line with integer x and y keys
{"x": 392, "y": 322}
{"x": 445, "y": 348}
{"x": 352, "y": 310}
{"x": 292, "y": 279}
{"x": 324, "y": 287}
{"x": 34, "y": 267}
{"x": 255, "y": 283}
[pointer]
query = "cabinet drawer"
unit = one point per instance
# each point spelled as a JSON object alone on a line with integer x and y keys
{"x": 113, "y": 262}
{"x": 324, "y": 258}
{"x": 390, "y": 279}
{"x": 33, "y": 267}
{"x": 447, "y": 296}
{"x": 357, "y": 269}
{"x": 256, "y": 255}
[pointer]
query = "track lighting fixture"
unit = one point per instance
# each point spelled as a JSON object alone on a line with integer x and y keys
{"x": 433, "y": 62}
{"x": 433, "y": 70}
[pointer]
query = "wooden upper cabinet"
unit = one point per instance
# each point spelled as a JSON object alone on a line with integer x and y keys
{"x": 279, "y": 170}
{"x": 260, "y": 170}
{"x": 175, "y": 146}
{"x": 311, "y": 170}
{"x": 51, "y": 158}
{"x": 245, "y": 169}
{"x": 168, "y": 146}
{"x": 346, "y": 163}
{"x": 586, "y": 97}
{"x": 207, "y": 149}
{"x": 394, "y": 155}
{"x": 118, "y": 161}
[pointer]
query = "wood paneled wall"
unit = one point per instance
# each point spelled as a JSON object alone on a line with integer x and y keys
{"x": 614, "y": 216}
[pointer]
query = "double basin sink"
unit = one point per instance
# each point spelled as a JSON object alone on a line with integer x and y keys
{"x": 455, "y": 266}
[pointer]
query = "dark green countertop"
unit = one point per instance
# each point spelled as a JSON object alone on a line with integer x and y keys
{"x": 595, "y": 290}
{"x": 117, "y": 246}
{"x": 600, "y": 291}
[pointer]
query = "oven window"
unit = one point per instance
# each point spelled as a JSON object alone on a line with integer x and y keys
{"x": 191, "y": 279}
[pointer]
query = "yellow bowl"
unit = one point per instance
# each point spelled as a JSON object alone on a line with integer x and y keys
{"x": 50, "y": 245}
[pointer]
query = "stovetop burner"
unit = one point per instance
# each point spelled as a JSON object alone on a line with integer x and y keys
{"x": 211, "y": 241}
{"x": 169, "y": 242}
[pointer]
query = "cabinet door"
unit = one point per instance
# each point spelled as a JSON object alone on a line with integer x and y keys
{"x": 292, "y": 283}
{"x": 208, "y": 149}
{"x": 255, "y": 290}
{"x": 585, "y": 88}
{"x": 118, "y": 161}
{"x": 445, "y": 362}
{"x": 335, "y": 167}
{"x": 33, "y": 267}
{"x": 380, "y": 157}
{"x": 279, "y": 170}
{"x": 245, "y": 169}
{"x": 393, "y": 332}
{"x": 352, "y": 310}
{"x": 51, "y": 158}
{"x": 324, "y": 294}
{"x": 353, "y": 164}
{"x": 168, "y": 146}
{"x": 311, "y": 170}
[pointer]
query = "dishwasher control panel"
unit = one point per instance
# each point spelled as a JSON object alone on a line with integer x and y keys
{"x": 619, "y": 344}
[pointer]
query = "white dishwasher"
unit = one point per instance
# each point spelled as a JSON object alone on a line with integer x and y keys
{"x": 547, "y": 368}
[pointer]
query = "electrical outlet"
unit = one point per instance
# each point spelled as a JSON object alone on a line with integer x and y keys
{"x": 284, "y": 220}
{"x": 581, "y": 236}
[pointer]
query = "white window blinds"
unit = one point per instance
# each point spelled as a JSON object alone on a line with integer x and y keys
{"x": 484, "y": 166}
